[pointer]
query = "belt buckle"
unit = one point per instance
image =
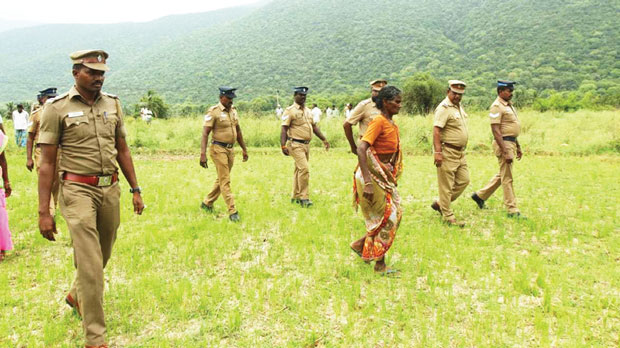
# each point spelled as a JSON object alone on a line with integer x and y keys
{"x": 104, "y": 180}
{"x": 229, "y": 146}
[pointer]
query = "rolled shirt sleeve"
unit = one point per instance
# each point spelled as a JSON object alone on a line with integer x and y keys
{"x": 51, "y": 127}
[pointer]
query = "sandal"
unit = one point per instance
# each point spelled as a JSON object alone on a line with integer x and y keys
{"x": 388, "y": 272}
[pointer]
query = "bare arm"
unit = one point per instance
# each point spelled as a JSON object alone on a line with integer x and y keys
{"x": 242, "y": 143}
{"x": 203, "y": 146}
{"x": 437, "y": 155}
{"x": 29, "y": 146}
{"x": 5, "y": 175}
{"x": 47, "y": 170}
{"x": 361, "y": 157}
{"x": 126, "y": 163}
{"x": 348, "y": 132}
{"x": 318, "y": 133}
{"x": 283, "y": 137}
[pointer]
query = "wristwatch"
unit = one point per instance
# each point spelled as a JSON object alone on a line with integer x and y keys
{"x": 134, "y": 190}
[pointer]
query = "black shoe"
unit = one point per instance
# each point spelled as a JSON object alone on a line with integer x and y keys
{"x": 478, "y": 200}
{"x": 517, "y": 216}
{"x": 207, "y": 208}
{"x": 436, "y": 207}
{"x": 295, "y": 200}
{"x": 305, "y": 203}
{"x": 234, "y": 217}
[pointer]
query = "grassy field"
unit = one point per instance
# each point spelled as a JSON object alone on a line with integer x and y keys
{"x": 285, "y": 277}
{"x": 577, "y": 133}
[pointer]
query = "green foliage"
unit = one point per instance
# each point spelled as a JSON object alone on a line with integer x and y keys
{"x": 155, "y": 103}
{"x": 10, "y": 107}
{"x": 422, "y": 93}
{"x": 329, "y": 46}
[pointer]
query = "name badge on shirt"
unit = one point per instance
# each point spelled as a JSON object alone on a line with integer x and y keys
{"x": 223, "y": 115}
{"x": 75, "y": 114}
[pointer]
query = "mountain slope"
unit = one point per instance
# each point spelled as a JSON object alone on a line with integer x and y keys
{"x": 338, "y": 46}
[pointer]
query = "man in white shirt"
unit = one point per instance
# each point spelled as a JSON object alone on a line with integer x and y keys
{"x": 329, "y": 112}
{"x": 279, "y": 112}
{"x": 316, "y": 113}
{"x": 20, "y": 123}
{"x": 335, "y": 112}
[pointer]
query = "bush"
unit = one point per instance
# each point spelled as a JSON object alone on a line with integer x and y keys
{"x": 422, "y": 93}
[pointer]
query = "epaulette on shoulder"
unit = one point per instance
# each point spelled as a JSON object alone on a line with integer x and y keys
{"x": 365, "y": 101}
{"x": 289, "y": 107}
{"x": 57, "y": 98}
{"x": 110, "y": 95}
{"x": 212, "y": 108}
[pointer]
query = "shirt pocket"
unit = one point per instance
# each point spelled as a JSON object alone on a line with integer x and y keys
{"x": 76, "y": 127}
{"x": 110, "y": 121}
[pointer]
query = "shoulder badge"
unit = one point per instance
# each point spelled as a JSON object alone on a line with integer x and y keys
{"x": 284, "y": 117}
{"x": 110, "y": 95}
{"x": 57, "y": 98}
{"x": 496, "y": 115}
{"x": 207, "y": 117}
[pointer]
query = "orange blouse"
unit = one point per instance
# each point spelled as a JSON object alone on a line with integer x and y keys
{"x": 382, "y": 135}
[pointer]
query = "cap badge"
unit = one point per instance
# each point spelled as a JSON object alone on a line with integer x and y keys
{"x": 99, "y": 58}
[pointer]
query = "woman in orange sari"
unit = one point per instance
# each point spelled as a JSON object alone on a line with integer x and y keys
{"x": 376, "y": 179}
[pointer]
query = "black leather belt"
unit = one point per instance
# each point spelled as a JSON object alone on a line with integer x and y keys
{"x": 513, "y": 139}
{"x": 301, "y": 141}
{"x": 458, "y": 148}
{"x": 228, "y": 146}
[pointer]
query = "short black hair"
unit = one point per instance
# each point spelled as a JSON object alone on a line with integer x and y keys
{"x": 386, "y": 93}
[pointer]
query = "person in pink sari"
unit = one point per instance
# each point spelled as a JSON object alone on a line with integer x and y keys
{"x": 6, "y": 243}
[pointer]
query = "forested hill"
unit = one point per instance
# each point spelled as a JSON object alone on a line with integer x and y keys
{"x": 331, "y": 46}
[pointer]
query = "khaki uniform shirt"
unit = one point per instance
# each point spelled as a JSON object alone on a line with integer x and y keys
{"x": 452, "y": 121}
{"x": 300, "y": 122}
{"x": 505, "y": 115}
{"x": 35, "y": 122}
{"x": 87, "y": 133}
{"x": 223, "y": 123}
{"x": 363, "y": 113}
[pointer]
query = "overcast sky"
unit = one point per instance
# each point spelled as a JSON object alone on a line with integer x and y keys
{"x": 109, "y": 11}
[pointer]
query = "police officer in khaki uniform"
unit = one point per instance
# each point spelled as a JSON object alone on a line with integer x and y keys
{"x": 506, "y": 127}
{"x": 363, "y": 113}
{"x": 223, "y": 120}
{"x": 89, "y": 125}
{"x": 297, "y": 129}
{"x": 40, "y": 101}
{"x": 449, "y": 141}
{"x": 32, "y": 144}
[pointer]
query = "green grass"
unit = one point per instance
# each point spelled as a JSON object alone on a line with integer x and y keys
{"x": 554, "y": 133}
{"x": 285, "y": 277}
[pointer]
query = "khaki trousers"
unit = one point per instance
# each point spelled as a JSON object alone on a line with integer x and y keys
{"x": 223, "y": 159}
{"x": 93, "y": 216}
{"x": 301, "y": 154}
{"x": 504, "y": 178}
{"x": 452, "y": 179}
{"x": 55, "y": 183}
